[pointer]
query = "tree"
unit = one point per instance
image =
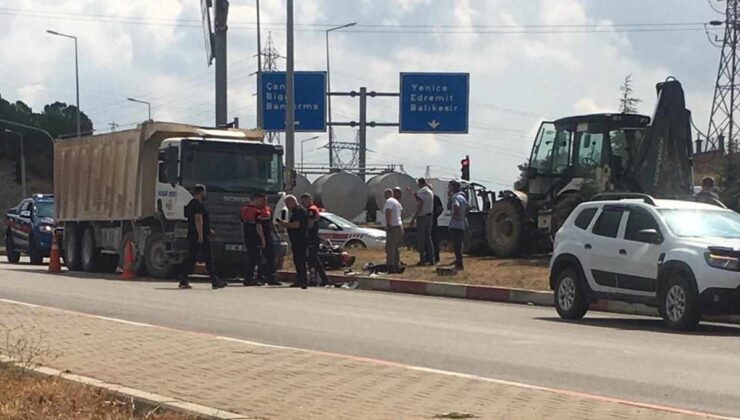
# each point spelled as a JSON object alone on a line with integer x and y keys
{"x": 628, "y": 103}
{"x": 521, "y": 183}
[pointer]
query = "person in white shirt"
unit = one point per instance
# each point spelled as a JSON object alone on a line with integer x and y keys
{"x": 423, "y": 221}
{"x": 393, "y": 227}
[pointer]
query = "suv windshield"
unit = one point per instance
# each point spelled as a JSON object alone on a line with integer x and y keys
{"x": 702, "y": 223}
{"x": 44, "y": 209}
{"x": 232, "y": 167}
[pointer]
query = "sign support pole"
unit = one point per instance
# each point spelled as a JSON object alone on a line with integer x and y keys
{"x": 363, "y": 132}
{"x": 290, "y": 94}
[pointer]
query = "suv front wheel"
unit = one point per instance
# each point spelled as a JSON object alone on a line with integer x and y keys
{"x": 679, "y": 303}
{"x": 570, "y": 296}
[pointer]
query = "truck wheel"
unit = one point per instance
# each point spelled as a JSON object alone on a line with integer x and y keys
{"x": 89, "y": 252}
{"x": 679, "y": 303}
{"x": 37, "y": 258}
{"x": 155, "y": 257}
{"x": 505, "y": 228}
{"x": 570, "y": 298}
{"x": 72, "y": 248}
{"x": 14, "y": 257}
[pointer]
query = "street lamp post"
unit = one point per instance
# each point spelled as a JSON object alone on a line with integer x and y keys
{"x": 328, "y": 90}
{"x": 77, "y": 76}
{"x": 149, "y": 105}
{"x": 303, "y": 141}
{"x": 23, "y": 161}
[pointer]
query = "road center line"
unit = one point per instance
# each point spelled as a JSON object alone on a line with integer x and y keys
{"x": 564, "y": 392}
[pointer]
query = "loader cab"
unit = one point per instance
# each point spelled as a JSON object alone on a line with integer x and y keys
{"x": 594, "y": 149}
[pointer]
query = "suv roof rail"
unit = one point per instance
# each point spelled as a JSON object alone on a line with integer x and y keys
{"x": 624, "y": 196}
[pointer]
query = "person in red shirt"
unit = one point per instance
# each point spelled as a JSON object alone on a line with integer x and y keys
{"x": 267, "y": 267}
{"x": 254, "y": 237}
{"x": 313, "y": 239}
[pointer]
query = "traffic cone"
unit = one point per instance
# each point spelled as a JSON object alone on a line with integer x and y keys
{"x": 55, "y": 263}
{"x": 128, "y": 262}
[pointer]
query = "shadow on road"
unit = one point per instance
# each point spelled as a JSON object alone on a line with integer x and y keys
{"x": 649, "y": 324}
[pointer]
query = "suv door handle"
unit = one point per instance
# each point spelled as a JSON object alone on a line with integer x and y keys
{"x": 587, "y": 246}
{"x": 622, "y": 252}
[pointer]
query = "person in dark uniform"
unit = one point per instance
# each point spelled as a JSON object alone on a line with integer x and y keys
{"x": 313, "y": 239}
{"x": 267, "y": 268}
{"x": 199, "y": 231}
{"x": 298, "y": 233}
{"x": 254, "y": 237}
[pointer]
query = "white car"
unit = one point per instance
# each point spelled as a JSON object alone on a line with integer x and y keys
{"x": 681, "y": 257}
{"x": 346, "y": 234}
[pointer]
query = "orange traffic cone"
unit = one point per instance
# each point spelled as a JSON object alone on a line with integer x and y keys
{"x": 55, "y": 263}
{"x": 128, "y": 262}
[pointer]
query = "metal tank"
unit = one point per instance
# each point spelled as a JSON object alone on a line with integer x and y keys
{"x": 302, "y": 185}
{"x": 376, "y": 188}
{"x": 341, "y": 193}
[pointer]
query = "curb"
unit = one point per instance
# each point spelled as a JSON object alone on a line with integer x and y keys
{"x": 147, "y": 399}
{"x": 488, "y": 293}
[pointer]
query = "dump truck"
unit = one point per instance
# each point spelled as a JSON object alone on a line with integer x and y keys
{"x": 133, "y": 186}
{"x": 574, "y": 158}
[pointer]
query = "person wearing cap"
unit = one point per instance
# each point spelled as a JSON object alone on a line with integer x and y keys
{"x": 314, "y": 263}
{"x": 298, "y": 233}
{"x": 423, "y": 221}
{"x": 393, "y": 222}
{"x": 458, "y": 204}
{"x": 199, "y": 244}
{"x": 254, "y": 237}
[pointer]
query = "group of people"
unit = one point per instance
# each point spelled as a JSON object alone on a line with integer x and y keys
{"x": 259, "y": 240}
{"x": 428, "y": 209}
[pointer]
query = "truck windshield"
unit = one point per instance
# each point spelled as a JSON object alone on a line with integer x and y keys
{"x": 703, "y": 223}
{"x": 232, "y": 167}
{"x": 551, "y": 154}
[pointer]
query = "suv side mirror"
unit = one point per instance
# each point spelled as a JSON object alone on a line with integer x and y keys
{"x": 650, "y": 236}
{"x": 26, "y": 213}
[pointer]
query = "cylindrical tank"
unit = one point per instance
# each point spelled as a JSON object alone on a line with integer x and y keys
{"x": 341, "y": 193}
{"x": 302, "y": 185}
{"x": 376, "y": 189}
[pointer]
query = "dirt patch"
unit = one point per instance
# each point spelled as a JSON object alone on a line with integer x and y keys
{"x": 29, "y": 396}
{"x": 523, "y": 273}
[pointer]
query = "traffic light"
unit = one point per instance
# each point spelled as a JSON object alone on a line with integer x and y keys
{"x": 18, "y": 172}
{"x": 465, "y": 168}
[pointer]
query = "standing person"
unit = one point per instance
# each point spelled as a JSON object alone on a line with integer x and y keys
{"x": 423, "y": 220}
{"x": 438, "y": 209}
{"x": 313, "y": 239}
{"x": 199, "y": 231}
{"x": 458, "y": 204}
{"x": 707, "y": 194}
{"x": 267, "y": 266}
{"x": 254, "y": 237}
{"x": 298, "y": 233}
{"x": 394, "y": 230}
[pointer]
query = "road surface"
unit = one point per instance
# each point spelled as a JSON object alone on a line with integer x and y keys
{"x": 616, "y": 356}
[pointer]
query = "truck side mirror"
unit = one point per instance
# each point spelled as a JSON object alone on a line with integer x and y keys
{"x": 172, "y": 163}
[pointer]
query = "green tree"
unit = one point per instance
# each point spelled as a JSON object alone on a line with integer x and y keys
{"x": 627, "y": 102}
{"x": 521, "y": 183}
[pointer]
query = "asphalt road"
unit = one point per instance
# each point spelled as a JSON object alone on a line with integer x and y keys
{"x": 617, "y": 356}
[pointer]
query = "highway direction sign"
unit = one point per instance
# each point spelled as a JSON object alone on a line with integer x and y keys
{"x": 434, "y": 103}
{"x": 310, "y": 101}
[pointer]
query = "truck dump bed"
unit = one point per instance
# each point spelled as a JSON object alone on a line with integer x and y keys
{"x": 112, "y": 177}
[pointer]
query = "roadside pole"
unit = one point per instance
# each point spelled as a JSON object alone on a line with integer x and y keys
{"x": 290, "y": 94}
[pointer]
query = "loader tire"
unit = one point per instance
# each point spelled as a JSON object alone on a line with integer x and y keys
{"x": 505, "y": 228}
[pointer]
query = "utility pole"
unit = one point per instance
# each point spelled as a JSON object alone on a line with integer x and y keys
{"x": 328, "y": 89}
{"x": 221, "y": 14}
{"x": 113, "y": 126}
{"x": 270, "y": 63}
{"x": 260, "y": 115}
{"x": 363, "y": 133}
{"x": 726, "y": 100}
{"x": 290, "y": 94}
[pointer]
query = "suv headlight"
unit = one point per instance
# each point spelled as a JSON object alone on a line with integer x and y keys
{"x": 47, "y": 228}
{"x": 722, "y": 262}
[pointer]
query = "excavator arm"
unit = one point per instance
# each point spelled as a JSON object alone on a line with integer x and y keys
{"x": 662, "y": 164}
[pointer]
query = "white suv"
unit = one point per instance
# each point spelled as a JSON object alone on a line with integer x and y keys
{"x": 682, "y": 257}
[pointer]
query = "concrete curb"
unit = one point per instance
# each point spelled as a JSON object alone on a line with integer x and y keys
{"x": 488, "y": 293}
{"x": 144, "y": 398}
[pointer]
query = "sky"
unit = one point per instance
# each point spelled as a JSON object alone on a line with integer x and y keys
{"x": 521, "y": 71}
